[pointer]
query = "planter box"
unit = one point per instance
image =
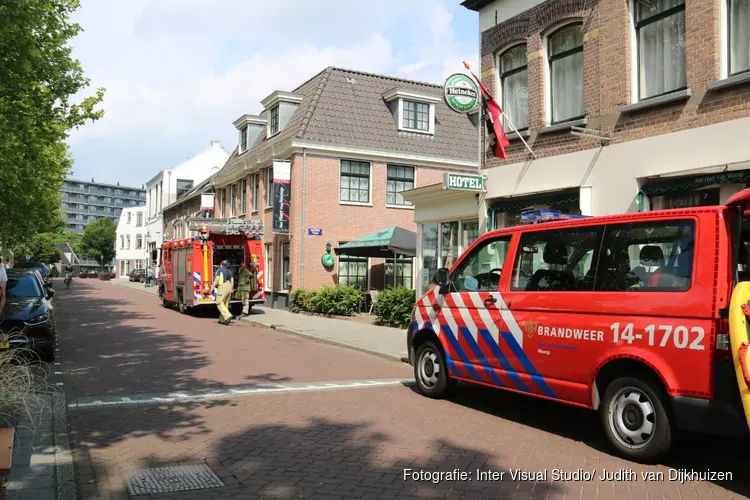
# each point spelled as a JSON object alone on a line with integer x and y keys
{"x": 6, "y": 450}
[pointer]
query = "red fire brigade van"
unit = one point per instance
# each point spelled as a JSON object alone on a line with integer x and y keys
{"x": 188, "y": 265}
{"x": 639, "y": 316}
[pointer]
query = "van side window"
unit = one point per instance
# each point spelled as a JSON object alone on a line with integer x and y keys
{"x": 647, "y": 257}
{"x": 557, "y": 260}
{"x": 480, "y": 270}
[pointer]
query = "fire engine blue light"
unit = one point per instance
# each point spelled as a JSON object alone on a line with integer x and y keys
{"x": 537, "y": 216}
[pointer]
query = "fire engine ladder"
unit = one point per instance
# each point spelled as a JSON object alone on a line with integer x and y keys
{"x": 227, "y": 226}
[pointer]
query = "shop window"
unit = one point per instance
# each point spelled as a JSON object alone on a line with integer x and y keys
{"x": 565, "y": 48}
{"x": 514, "y": 81}
{"x": 355, "y": 182}
{"x": 416, "y": 116}
{"x": 403, "y": 277}
{"x": 470, "y": 233}
{"x": 647, "y": 256}
{"x": 739, "y": 36}
{"x": 448, "y": 243}
{"x": 480, "y": 270}
{"x": 699, "y": 198}
{"x": 429, "y": 253}
{"x": 352, "y": 271}
{"x": 557, "y": 260}
{"x": 399, "y": 179}
{"x": 660, "y": 36}
{"x": 285, "y": 268}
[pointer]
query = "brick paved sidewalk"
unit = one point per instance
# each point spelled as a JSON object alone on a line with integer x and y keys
{"x": 381, "y": 341}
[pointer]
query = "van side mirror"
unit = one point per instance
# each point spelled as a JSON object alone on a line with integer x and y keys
{"x": 441, "y": 277}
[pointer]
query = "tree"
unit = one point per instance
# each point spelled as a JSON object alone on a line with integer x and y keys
{"x": 98, "y": 240}
{"x": 39, "y": 80}
{"x": 72, "y": 238}
{"x": 40, "y": 248}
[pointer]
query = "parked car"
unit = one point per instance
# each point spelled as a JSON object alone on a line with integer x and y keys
{"x": 43, "y": 271}
{"x": 28, "y": 319}
{"x": 88, "y": 273}
{"x": 137, "y": 275}
{"x": 45, "y": 284}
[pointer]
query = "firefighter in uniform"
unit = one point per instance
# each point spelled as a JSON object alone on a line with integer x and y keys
{"x": 224, "y": 284}
{"x": 244, "y": 287}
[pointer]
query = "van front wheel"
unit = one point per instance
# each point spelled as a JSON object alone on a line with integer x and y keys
{"x": 430, "y": 371}
{"x": 636, "y": 419}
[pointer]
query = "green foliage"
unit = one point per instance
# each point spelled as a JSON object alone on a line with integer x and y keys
{"x": 54, "y": 272}
{"x": 98, "y": 240}
{"x": 334, "y": 300}
{"x": 394, "y": 306}
{"x": 41, "y": 247}
{"x": 39, "y": 81}
{"x": 70, "y": 237}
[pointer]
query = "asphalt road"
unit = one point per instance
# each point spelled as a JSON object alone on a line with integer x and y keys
{"x": 277, "y": 416}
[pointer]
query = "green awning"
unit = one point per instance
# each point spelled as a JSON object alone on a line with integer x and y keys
{"x": 553, "y": 199}
{"x": 662, "y": 186}
{"x": 383, "y": 244}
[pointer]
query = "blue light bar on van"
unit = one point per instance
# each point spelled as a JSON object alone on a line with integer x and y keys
{"x": 537, "y": 216}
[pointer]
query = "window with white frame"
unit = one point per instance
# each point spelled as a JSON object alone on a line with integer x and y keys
{"x": 127, "y": 242}
{"x": 660, "y": 36}
{"x": 122, "y": 242}
{"x": 138, "y": 241}
{"x": 565, "y": 49}
{"x": 738, "y": 31}
{"x": 355, "y": 182}
{"x": 243, "y": 197}
{"x": 514, "y": 83}
{"x": 139, "y": 219}
{"x": 233, "y": 201}
{"x": 352, "y": 271}
{"x": 416, "y": 116}
{"x": 269, "y": 187}
{"x": 243, "y": 139}
{"x": 399, "y": 179}
{"x": 130, "y": 215}
{"x": 256, "y": 192}
{"x": 273, "y": 122}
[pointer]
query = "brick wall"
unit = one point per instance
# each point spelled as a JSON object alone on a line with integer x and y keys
{"x": 607, "y": 74}
{"x": 339, "y": 222}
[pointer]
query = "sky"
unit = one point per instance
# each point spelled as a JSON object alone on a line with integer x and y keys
{"x": 177, "y": 73}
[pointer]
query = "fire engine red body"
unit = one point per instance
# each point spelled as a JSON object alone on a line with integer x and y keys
{"x": 188, "y": 267}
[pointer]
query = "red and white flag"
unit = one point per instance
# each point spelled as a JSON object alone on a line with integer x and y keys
{"x": 493, "y": 113}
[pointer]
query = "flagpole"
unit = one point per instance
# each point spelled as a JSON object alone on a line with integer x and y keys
{"x": 504, "y": 114}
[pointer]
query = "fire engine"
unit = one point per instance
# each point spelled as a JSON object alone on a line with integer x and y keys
{"x": 188, "y": 265}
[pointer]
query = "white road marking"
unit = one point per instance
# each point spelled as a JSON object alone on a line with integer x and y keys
{"x": 58, "y": 373}
{"x": 134, "y": 399}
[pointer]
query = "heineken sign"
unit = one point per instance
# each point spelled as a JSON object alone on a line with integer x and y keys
{"x": 463, "y": 182}
{"x": 461, "y": 93}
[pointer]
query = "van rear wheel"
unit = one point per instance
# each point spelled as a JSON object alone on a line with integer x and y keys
{"x": 430, "y": 371}
{"x": 636, "y": 419}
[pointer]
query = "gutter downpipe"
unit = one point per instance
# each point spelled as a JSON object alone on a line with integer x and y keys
{"x": 302, "y": 229}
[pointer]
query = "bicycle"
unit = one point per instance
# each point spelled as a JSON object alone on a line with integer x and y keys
{"x": 68, "y": 280}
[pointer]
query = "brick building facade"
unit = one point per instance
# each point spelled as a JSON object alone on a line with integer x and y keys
{"x": 354, "y": 142}
{"x": 662, "y": 89}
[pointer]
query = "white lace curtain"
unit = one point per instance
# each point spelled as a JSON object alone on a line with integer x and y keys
{"x": 661, "y": 48}
{"x": 739, "y": 32}
{"x": 566, "y": 73}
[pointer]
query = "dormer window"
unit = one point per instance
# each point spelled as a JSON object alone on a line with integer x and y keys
{"x": 273, "y": 120}
{"x": 416, "y": 116}
{"x": 243, "y": 139}
{"x": 413, "y": 110}
{"x": 279, "y": 108}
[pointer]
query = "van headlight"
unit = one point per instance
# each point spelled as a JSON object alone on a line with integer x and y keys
{"x": 37, "y": 320}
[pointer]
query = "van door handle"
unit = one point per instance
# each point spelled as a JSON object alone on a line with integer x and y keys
{"x": 490, "y": 300}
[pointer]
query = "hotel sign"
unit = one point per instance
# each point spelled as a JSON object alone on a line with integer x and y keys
{"x": 463, "y": 182}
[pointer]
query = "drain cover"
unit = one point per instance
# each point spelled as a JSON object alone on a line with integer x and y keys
{"x": 169, "y": 479}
